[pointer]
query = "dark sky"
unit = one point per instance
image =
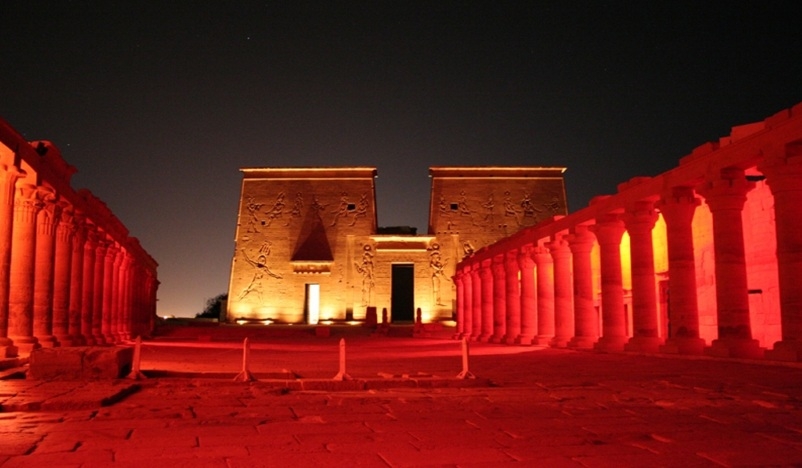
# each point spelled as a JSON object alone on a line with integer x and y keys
{"x": 158, "y": 104}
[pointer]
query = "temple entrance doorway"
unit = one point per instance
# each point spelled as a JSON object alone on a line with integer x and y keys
{"x": 402, "y": 301}
{"x": 312, "y": 303}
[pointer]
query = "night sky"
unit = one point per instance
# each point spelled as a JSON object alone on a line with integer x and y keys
{"x": 158, "y": 104}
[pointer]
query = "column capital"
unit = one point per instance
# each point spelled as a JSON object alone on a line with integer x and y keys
{"x": 640, "y": 215}
{"x": 727, "y": 190}
{"x": 580, "y": 239}
{"x": 609, "y": 228}
{"x": 678, "y": 205}
{"x": 783, "y": 169}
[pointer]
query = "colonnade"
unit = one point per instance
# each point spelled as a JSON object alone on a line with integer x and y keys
{"x": 69, "y": 273}
{"x": 572, "y": 282}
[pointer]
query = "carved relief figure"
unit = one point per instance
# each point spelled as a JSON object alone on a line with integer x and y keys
{"x": 365, "y": 268}
{"x": 253, "y": 220}
{"x": 276, "y": 210}
{"x": 342, "y": 209}
{"x": 529, "y": 210}
{"x": 361, "y": 208}
{"x": 488, "y": 206}
{"x": 467, "y": 248}
{"x": 297, "y": 207}
{"x": 316, "y": 205}
{"x": 554, "y": 206}
{"x": 510, "y": 210}
{"x": 437, "y": 265}
{"x": 255, "y": 286}
{"x": 463, "y": 205}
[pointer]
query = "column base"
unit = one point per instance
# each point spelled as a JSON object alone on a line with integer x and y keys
{"x": 87, "y": 340}
{"x": 510, "y": 339}
{"x": 643, "y": 344}
{"x": 497, "y": 339}
{"x": 735, "y": 348}
{"x": 543, "y": 340}
{"x": 525, "y": 340}
{"x": 694, "y": 346}
{"x": 560, "y": 341}
{"x": 582, "y": 342}
{"x": 99, "y": 340}
{"x": 790, "y": 351}
{"x": 611, "y": 344}
{"x": 64, "y": 340}
{"x": 8, "y": 351}
{"x": 48, "y": 341}
{"x": 25, "y": 344}
{"x": 484, "y": 338}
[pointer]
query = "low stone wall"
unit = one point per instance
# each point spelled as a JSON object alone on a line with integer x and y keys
{"x": 81, "y": 363}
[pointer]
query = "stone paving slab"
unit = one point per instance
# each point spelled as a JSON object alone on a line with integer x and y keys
{"x": 544, "y": 408}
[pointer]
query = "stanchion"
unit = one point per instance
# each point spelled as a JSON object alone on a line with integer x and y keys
{"x": 136, "y": 374}
{"x": 245, "y": 375}
{"x": 342, "y": 375}
{"x": 465, "y": 374}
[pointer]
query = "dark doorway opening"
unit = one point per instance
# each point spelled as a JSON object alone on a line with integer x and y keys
{"x": 402, "y": 302}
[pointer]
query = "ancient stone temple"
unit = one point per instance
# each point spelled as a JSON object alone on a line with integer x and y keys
{"x": 308, "y": 247}
{"x": 704, "y": 258}
{"x": 69, "y": 272}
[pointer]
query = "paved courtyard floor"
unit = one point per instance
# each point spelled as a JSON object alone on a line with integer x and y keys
{"x": 527, "y": 407}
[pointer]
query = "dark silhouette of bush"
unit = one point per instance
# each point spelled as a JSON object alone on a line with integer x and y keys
{"x": 214, "y": 306}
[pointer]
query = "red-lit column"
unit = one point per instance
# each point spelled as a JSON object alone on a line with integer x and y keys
{"x": 127, "y": 285}
{"x": 499, "y": 300}
{"x": 88, "y": 290}
{"x": 109, "y": 276}
{"x": 458, "y": 281}
{"x": 99, "y": 292}
{"x": 23, "y": 252}
{"x": 639, "y": 221}
{"x": 61, "y": 277}
{"x": 467, "y": 316}
{"x": 46, "y": 220}
{"x": 487, "y": 300}
{"x": 118, "y": 296}
{"x": 8, "y": 180}
{"x": 726, "y": 196}
{"x": 476, "y": 311}
{"x": 609, "y": 229}
{"x": 76, "y": 280}
{"x": 783, "y": 171}
{"x": 512, "y": 285}
{"x": 678, "y": 207}
{"x": 545, "y": 296}
{"x": 528, "y": 297}
{"x": 586, "y": 320}
{"x": 563, "y": 292}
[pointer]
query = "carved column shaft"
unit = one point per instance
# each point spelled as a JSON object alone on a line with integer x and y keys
{"x": 499, "y": 299}
{"x": 99, "y": 292}
{"x": 563, "y": 293}
{"x": 609, "y": 229}
{"x": 460, "y": 284}
{"x": 21, "y": 283}
{"x": 486, "y": 274}
{"x": 61, "y": 277}
{"x": 467, "y": 279}
{"x": 88, "y": 290}
{"x": 46, "y": 220}
{"x": 512, "y": 286}
{"x": 528, "y": 297}
{"x": 8, "y": 180}
{"x": 476, "y": 312}
{"x": 77, "y": 282}
{"x": 586, "y": 324}
{"x": 545, "y": 296}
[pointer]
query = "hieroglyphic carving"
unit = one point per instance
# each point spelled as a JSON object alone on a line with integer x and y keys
{"x": 436, "y": 265}
{"x": 464, "y": 210}
{"x": 510, "y": 210}
{"x": 489, "y": 206}
{"x": 365, "y": 268}
{"x": 528, "y": 208}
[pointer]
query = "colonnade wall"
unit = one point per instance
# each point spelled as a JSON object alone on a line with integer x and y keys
{"x": 702, "y": 259}
{"x": 70, "y": 274}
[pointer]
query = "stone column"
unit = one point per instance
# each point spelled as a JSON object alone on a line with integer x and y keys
{"x": 76, "y": 281}
{"x": 126, "y": 280}
{"x": 21, "y": 283}
{"x": 609, "y": 229}
{"x": 678, "y": 207}
{"x": 109, "y": 276}
{"x": 726, "y": 195}
{"x": 467, "y": 316}
{"x": 476, "y": 312}
{"x": 99, "y": 292}
{"x": 639, "y": 221}
{"x": 487, "y": 300}
{"x": 88, "y": 290}
{"x": 46, "y": 220}
{"x": 586, "y": 318}
{"x": 528, "y": 297}
{"x": 460, "y": 284}
{"x": 545, "y": 296}
{"x": 783, "y": 171}
{"x": 8, "y": 180}
{"x": 563, "y": 292}
{"x": 61, "y": 277}
{"x": 499, "y": 300}
{"x": 513, "y": 288}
